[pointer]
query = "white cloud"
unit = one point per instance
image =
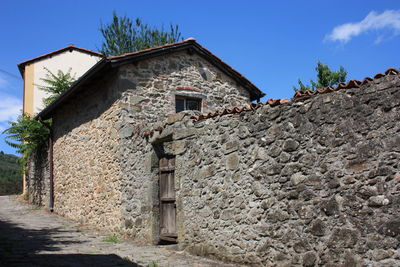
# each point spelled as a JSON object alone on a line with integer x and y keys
{"x": 3, "y": 82}
{"x": 389, "y": 19}
{"x": 10, "y": 108}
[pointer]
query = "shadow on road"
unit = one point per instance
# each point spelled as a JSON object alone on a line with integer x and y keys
{"x": 24, "y": 247}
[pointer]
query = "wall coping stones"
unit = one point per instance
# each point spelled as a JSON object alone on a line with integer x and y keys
{"x": 299, "y": 96}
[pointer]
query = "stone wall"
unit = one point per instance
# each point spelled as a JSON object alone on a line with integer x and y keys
{"x": 148, "y": 98}
{"x": 304, "y": 183}
{"x": 92, "y": 130}
{"x": 38, "y": 188}
{"x": 149, "y": 87}
{"x": 86, "y": 159}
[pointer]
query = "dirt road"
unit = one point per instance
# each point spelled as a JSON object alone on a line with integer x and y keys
{"x": 30, "y": 236}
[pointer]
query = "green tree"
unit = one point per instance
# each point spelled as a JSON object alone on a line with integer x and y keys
{"x": 27, "y": 135}
{"x": 325, "y": 77}
{"x": 123, "y": 35}
{"x": 56, "y": 84}
{"x": 10, "y": 174}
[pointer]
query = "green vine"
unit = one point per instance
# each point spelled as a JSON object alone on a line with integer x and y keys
{"x": 27, "y": 135}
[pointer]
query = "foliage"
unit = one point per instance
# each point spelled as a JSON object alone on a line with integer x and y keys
{"x": 152, "y": 264}
{"x": 325, "y": 77}
{"x": 29, "y": 134}
{"x": 124, "y": 36}
{"x": 10, "y": 175}
{"x": 112, "y": 239}
{"x": 56, "y": 84}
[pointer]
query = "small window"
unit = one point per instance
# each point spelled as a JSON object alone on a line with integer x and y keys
{"x": 182, "y": 103}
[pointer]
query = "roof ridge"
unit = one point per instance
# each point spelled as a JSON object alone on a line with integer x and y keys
{"x": 60, "y": 50}
{"x": 255, "y": 92}
{"x": 299, "y": 95}
{"x": 191, "y": 39}
{"x": 22, "y": 64}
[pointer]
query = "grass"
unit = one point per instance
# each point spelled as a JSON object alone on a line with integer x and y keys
{"x": 152, "y": 264}
{"x": 37, "y": 207}
{"x": 65, "y": 226}
{"x": 92, "y": 252}
{"x": 112, "y": 239}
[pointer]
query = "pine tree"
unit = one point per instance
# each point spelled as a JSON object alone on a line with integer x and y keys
{"x": 325, "y": 77}
{"x": 123, "y": 36}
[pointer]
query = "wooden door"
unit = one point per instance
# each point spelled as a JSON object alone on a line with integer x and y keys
{"x": 167, "y": 200}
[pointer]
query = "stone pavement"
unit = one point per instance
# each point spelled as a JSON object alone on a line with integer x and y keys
{"x": 30, "y": 236}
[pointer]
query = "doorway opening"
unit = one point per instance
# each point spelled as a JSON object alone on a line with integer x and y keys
{"x": 167, "y": 197}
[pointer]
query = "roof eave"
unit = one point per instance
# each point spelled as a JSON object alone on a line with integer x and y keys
{"x": 255, "y": 93}
{"x": 151, "y": 53}
{"x": 44, "y": 114}
{"x": 112, "y": 62}
{"x": 21, "y": 66}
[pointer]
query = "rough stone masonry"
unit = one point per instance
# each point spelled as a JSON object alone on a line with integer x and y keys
{"x": 92, "y": 130}
{"x": 307, "y": 183}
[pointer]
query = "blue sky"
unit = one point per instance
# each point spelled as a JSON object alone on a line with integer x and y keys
{"x": 271, "y": 43}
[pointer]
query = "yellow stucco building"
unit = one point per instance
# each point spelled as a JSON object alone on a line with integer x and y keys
{"x": 71, "y": 58}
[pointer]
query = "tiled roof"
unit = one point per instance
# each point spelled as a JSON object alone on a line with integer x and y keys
{"x": 235, "y": 110}
{"x": 151, "y": 49}
{"x": 350, "y": 84}
{"x": 69, "y": 47}
{"x": 105, "y": 64}
{"x": 255, "y": 93}
{"x": 226, "y": 111}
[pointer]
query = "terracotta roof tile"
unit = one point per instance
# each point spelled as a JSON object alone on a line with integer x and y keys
{"x": 379, "y": 75}
{"x": 366, "y": 80}
{"x": 350, "y": 84}
{"x": 392, "y": 71}
{"x": 222, "y": 112}
{"x": 236, "y": 110}
{"x": 277, "y": 102}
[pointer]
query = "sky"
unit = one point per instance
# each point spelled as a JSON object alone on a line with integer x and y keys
{"x": 273, "y": 44}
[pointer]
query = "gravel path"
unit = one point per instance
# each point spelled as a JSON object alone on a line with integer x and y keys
{"x": 30, "y": 236}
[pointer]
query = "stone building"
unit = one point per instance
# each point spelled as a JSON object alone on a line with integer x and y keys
{"x": 307, "y": 182}
{"x": 113, "y": 101}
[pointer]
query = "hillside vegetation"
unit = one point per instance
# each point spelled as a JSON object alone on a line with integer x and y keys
{"x": 10, "y": 175}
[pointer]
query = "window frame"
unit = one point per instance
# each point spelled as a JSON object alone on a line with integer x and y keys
{"x": 185, "y": 103}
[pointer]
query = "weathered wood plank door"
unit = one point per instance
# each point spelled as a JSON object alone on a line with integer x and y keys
{"x": 167, "y": 200}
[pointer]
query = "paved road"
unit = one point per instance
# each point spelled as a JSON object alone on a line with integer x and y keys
{"x": 30, "y": 236}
